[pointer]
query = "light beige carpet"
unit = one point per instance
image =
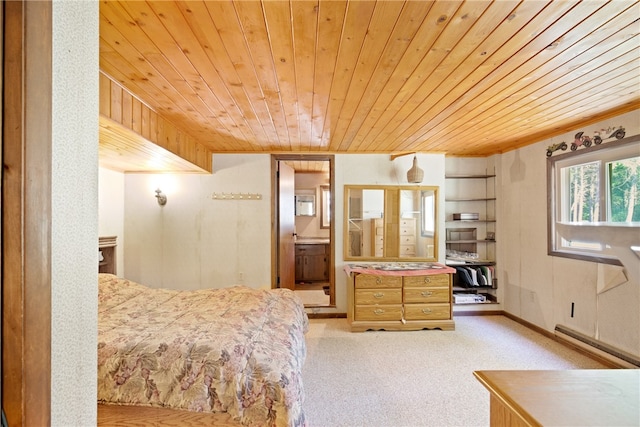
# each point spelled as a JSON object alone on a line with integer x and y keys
{"x": 313, "y": 297}
{"x": 418, "y": 378}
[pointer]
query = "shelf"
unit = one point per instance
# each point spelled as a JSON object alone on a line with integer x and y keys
{"x": 463, "y": 290}
{"x": 471, "y": 200}
{"x": 469, "y": 176}
{"x": 463, "y": 234}
{"x": 489, "y": 298}
{"x": 475, "y": 303}
{"x": 457, "y": 263}
{"x": 453, "y": 221}
{"x": 470, "y": 241}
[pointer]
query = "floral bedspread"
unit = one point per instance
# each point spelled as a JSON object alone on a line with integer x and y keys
{"x": 237, "y": 350}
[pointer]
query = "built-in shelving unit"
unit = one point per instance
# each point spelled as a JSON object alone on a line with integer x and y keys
{"x": 471, "y": 236}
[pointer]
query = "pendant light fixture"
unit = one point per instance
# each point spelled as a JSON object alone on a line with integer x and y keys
{"x": 415, "y": 174}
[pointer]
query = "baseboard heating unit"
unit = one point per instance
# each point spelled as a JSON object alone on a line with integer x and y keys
{"x": 598, "y": 348}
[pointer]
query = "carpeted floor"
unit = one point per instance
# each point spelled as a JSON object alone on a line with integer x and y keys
{"x": 418, "y": 378}
{"x": 313, "y": 297}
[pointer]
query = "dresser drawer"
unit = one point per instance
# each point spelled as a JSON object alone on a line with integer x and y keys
{"x": 437, "y": 280}
{"x": 408, "y": 222}
{"x": 407, "y": 231}
{"x": 427, "y": 311}
{"x": 426, "y": 295}
{"x": 407, "y": 250}
{"x": 378, "y": 296}
{"x": 408, "y": 240}
{"x": 374, "y": 281}
{"x": 378, "y": 312}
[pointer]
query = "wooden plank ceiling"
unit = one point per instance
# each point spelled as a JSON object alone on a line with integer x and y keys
{"x": 468, "y": 78}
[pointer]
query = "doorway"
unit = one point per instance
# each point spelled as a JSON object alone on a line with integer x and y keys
{"x": 303, "y": 227}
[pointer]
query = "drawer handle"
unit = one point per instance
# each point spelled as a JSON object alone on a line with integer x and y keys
{"x": 426, "y": 293}
{"x": 378, "y": 311}
{"x": 426, "y": 310}
{"x": 427, "y": 279}
{"x": 378, "y": 280}
{"x": 378, "y": 295}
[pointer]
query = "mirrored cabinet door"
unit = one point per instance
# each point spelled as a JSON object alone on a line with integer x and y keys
{"x": 387, "y": 223}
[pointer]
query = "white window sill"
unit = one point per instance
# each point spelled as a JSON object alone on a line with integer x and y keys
{"x": 622, "y": 237}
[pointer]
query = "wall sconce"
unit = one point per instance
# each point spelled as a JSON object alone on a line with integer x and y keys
{"x": 162, "y": 198}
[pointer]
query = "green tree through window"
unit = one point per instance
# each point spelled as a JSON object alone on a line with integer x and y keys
{"x": 624, "y": 190}
{"x": 584, "y": 192}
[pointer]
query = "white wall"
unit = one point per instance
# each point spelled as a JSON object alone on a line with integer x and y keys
{"x": 74, "y": 213}
{"x": 309, "y": 226}
{"x": 111, "y": 211}
{"x": 195, "y": 242}
{"x": 540, "y": 288}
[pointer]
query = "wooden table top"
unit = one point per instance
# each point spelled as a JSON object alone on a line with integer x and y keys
{"x": 399, "y": 268}
{"x": 580, "y": 397}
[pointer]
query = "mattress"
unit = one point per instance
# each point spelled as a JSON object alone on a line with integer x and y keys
{"x": 238, "y": 350}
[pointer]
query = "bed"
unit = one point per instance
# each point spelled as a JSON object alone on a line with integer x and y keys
{"x": 237, "y": 350}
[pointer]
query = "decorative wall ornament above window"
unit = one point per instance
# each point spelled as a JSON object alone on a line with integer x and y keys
{"x": 594, "y": 189}
{"x": 582, "y": 140}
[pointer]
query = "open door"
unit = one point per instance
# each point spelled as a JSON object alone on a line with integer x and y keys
{"x": 286, "y": 229}
{"x": 290, "y": 171}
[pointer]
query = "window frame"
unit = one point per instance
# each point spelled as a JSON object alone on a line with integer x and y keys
{"x": 599, "y": 153}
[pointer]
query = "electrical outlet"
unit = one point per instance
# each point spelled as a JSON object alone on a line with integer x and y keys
{"x": 240, "y": 277}
{"x": 573, "y": 306}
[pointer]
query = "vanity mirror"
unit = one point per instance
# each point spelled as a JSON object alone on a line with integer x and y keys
{"x": 305, "y": 205}
{"x": 390, "y": 223}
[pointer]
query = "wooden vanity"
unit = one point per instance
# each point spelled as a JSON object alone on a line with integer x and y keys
{"x": 399, "y": 296}
{"x": 312, "y": 260}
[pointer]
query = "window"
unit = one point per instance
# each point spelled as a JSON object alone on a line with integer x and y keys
{"x": 598, "y": 185}
{"x": 428, "y": 213}
{"x": 325, "y": 206}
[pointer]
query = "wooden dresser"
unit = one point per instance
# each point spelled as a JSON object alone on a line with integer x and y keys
{"x": 107, "y": 254}
{"x": 407, "y": 237}
{"x": 574, "y": 397}
{"x": 377, "y": 233}
{"x": 386, "y": 296}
